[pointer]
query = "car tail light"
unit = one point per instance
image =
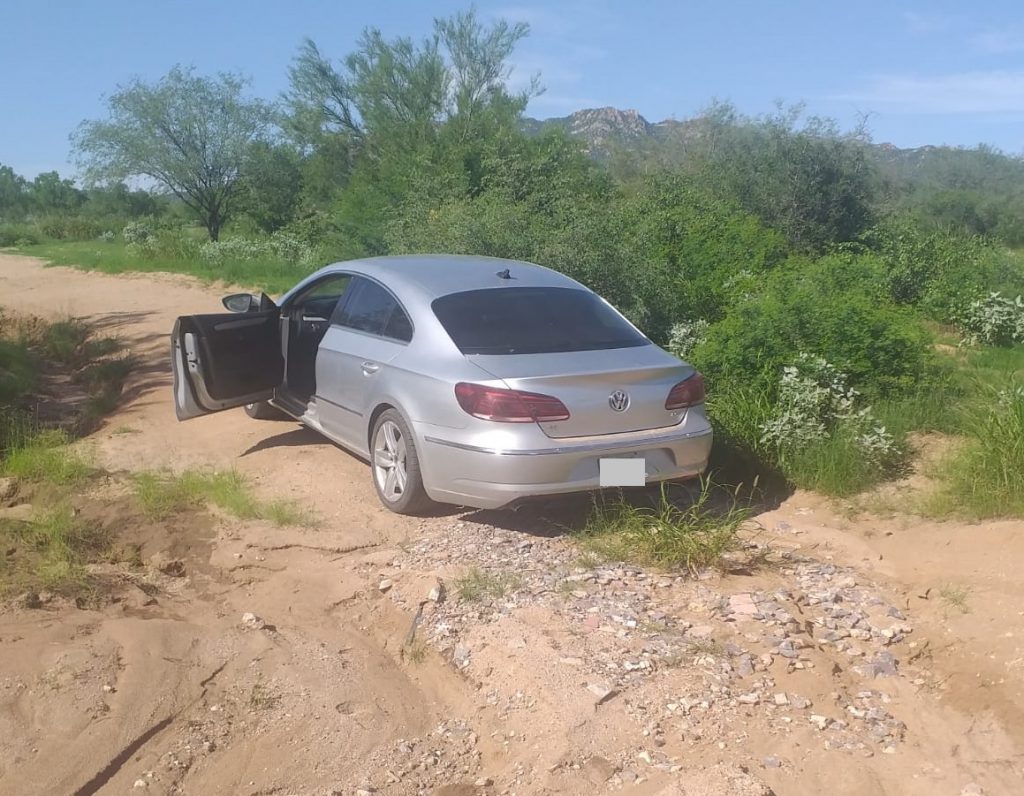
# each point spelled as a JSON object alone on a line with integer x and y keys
{"x": 687, "y": 393}
{"x": 508, "y": 406}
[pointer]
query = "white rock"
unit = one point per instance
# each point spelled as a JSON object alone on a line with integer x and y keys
{"x": 385, "y": 585}
{"x": 781, "y": 699}
{"x": 252, "y": 621}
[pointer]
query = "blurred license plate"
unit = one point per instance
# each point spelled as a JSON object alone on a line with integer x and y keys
{"x": 623, "y": 472}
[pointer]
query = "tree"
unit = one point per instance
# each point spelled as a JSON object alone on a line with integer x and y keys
{"x": 391, "y": 98}
{"x": 13, "y": 193}
{"x": 271, "y": 185}
{"x": 49, "y": 193}
{"x": 189, "y": 134}
{"x": 398, "y": 118}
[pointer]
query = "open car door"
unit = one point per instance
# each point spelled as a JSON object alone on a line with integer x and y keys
{"x": 225, "y": 360}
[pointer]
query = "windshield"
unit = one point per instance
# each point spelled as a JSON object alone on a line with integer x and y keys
{"x": 533, "y": 320}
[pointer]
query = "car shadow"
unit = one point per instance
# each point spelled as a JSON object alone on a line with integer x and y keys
{"x": 297, "y": 436}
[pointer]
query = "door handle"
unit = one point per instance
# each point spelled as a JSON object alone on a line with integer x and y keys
{"x": 369, "y": 368}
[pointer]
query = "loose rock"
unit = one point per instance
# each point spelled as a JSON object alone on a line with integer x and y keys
{"x": 602, "y": 692}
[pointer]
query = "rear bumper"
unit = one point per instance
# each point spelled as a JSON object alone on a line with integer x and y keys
{"x": 489, "y": 477}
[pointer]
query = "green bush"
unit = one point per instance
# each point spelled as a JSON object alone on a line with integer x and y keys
{"x": 12, "y": 234}
{"x": 835, "y": 308}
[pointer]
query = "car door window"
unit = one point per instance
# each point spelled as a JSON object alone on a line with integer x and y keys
{"x": 371, "y": 308}
{"x": 322, "y": 298}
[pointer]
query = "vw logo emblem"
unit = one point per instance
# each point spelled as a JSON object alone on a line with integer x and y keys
{"x": 619, "y": 400}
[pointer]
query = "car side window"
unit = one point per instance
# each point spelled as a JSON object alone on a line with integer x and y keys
{"x": 370, "y": 308}
{"x": 324, "y": 295}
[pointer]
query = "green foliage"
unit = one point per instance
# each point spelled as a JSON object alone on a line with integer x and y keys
{"x": 811, "y": 183}
{"x": 834, "y": 307}
{"x": 48, "y": 193}
{"x": 678, "y": 531}
{"x": 970, "y": 192}
{"x": 937, "y": 269}
{"x": 271, "y": 185}
{"x": 18, "y": 234}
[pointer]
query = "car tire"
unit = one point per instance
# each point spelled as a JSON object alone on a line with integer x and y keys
{"x": 264, "y": 411}
{"x": 395, "y": 465}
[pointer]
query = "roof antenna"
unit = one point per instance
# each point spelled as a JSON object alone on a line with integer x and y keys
{"x": 504, "y": 274}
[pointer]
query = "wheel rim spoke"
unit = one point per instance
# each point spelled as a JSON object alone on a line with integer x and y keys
{"x": 390, "y": 482}
{"x": 389, "y": 437}
{"x": 389, "y": 461}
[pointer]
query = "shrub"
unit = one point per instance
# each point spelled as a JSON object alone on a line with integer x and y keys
{"x": 994, "y": 320}
{"x": 137, "y": 232}
{"x": 835, "y": 308}
{"x": 816, "y": 406}
{"x": 280, "y": 246}
{"x": 18, "y": 235}
{"x": 165, "y": 244}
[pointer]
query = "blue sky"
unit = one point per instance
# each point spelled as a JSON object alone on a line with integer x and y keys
{"x": 925, "y": 72}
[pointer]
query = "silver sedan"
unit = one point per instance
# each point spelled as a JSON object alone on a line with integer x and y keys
{"x": 465, "y": 380}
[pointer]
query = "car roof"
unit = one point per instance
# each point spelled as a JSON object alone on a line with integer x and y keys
{"x": 436, "y": 275}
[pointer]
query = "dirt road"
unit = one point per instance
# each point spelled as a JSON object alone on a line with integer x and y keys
{"x": 835, "y": 665}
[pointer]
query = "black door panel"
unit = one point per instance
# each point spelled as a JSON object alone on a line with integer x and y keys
{"x": 239, "y": 354}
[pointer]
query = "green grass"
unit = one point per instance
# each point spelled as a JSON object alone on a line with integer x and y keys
{"x": 273, "y": 276}
{"x": 984, "y": 478}
{"x": 163, "y": 495}
{"x": 477, "y": 585}
{"x": 834, "y": 466}
{"x": 46, "y": 458}
{"x": 691, "y": 534}
{"x": 50, "y": 552}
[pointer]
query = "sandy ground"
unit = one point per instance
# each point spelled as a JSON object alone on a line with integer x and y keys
{"x": 837, "y": 665}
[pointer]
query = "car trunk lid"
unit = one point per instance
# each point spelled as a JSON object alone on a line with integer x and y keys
{"x": 606, "y": 391}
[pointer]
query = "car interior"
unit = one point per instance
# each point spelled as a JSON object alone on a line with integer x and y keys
{"x": 309, "y": 318}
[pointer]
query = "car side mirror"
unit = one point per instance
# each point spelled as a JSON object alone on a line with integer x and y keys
{"x": 241, "y": 302}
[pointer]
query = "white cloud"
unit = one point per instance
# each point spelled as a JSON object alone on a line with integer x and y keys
{"x": 999, "y": 42}
{"x": 993, "y": 91}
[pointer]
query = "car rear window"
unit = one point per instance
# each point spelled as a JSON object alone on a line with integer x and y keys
{"x": 532, "y": 320}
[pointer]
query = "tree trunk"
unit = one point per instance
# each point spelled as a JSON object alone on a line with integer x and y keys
{"x": 213, "y": 225}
